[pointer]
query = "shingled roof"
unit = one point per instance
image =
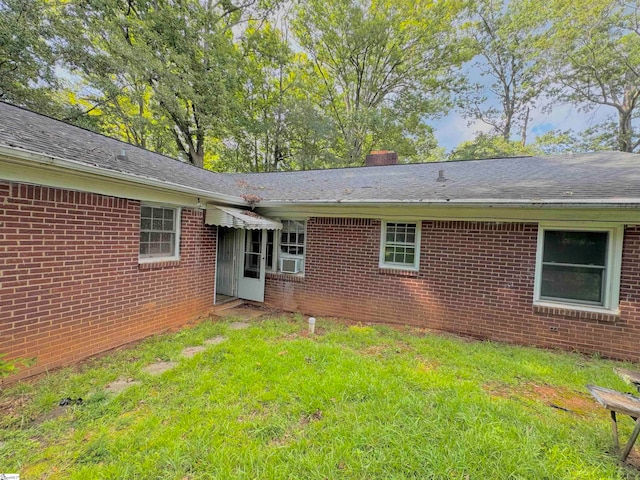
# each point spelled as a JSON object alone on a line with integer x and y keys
{"x": 595, "y": 178}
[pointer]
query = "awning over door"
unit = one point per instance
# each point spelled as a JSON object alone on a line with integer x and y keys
{"x": 236, "y": 218}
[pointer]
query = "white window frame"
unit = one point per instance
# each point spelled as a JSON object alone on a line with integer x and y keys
{"x": 611, "y": 288}
{"x": 277, "y": 254}
{"x": 383, "y": 241}
{"x": 273, "y": 268}
{"x": 147, "y": 258}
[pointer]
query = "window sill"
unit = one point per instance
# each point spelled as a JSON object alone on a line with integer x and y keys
{"x": 157, "y": 263}
{"x": 577, "y": 311}
{"x": 157, "y": 259}
{"x": 398, "y": 272}
{"x": 287, "y": 277}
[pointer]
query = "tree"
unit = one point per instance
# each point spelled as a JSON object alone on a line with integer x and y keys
{"x": 372, "y": 55}
{"x": 594, "y": 59}
{"x": 274, "y": 125}
{"x": 27, "y": 64}
{"x": 176, "y": 60}
{"x": 491, "y": 146}
{"x": 504, "y": 39}
{"x": 594, "y": 139}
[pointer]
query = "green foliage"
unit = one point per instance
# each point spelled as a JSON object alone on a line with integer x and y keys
{"x": 275, "y": 123}
{"x": 592, "y": 53}
{"x": 7, "y": 367}
{"x": 598, "y": 138}
{"x": 270, "y": 85}
{"x": 26, "y": 59}
{"x": 156, "y": 67}
{"x": 504, "y": 38}
{"x": 380, "y": 59}
{"x": 491, "y": 146}
{"x": 351, "y": 402}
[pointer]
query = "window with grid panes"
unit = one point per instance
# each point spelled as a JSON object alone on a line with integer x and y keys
{"x": 292, "y": 240}
{"x": 292, "y": 237}
{"x": 158, "y": 232}
{"x": 400, "y": 245}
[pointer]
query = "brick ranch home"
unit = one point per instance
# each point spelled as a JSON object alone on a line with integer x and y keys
{"x": 103, "y": 243}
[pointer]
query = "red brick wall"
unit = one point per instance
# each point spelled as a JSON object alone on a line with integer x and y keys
{"x": 476, "y": 279}
{"x": 70, "y": 283}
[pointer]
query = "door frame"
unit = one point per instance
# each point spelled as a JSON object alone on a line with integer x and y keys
{"x": 249, "y": 287}
{"x": 244, "y": 287}
{"x": 232, "y": 276}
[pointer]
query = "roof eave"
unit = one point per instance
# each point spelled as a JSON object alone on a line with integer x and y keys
{"x": 24, "y": 155}
{"x": 480, "y": 203}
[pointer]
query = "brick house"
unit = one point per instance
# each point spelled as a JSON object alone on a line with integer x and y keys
{"x": 103, "y": 243}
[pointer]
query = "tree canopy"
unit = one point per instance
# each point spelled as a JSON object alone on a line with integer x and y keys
{"x": 264, "y": 85}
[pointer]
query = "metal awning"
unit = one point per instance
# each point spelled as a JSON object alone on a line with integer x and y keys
{"x": 236, "y": 218}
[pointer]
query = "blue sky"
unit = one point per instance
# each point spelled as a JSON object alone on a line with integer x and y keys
{"x": 454, "y": 129}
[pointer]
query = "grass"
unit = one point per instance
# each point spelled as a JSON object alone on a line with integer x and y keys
{"x": 353, "y": 402}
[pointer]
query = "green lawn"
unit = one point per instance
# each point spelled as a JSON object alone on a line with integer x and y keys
{"x": 352, "y": 402}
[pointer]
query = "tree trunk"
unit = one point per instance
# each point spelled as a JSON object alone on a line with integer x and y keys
{"x": 625, "y": 131}
{"x": 523, "y": 136}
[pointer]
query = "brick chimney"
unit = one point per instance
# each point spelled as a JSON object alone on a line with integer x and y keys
{"x": 381, "y": 157}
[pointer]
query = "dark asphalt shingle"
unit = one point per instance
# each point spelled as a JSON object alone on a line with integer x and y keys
{"x": 609, "y": 177}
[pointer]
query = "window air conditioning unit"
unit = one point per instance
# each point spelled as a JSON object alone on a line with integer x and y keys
{"x": 290, "y": 265}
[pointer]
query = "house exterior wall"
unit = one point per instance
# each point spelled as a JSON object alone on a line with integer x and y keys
{"x": 71, "y": 285}
{"x": 475, "y": 278}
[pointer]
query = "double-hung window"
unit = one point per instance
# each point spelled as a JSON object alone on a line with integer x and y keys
{"x": 579, "y": 267}
{"x": 292, "y": 245}
{"x": 159, "y": 233}
{"x": 400, "y": 246}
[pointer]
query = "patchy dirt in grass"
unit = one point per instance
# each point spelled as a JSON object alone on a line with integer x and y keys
{"x": 382, "y": 350}
{"x": 190, "y": 352}
{"x": 245, "y": 312}
{"x": 12, "y": 408}
{"x": 555, "y": 397}
{"x": 215, "y": 340}
{"x": 238, "y": 325}
{"x": 120, "y": 385}
{"x": 54, "y": 414}
{"x": 427, "y": 365}
{"x": 311, "y": 417}
{"x": 375, "y": 350}
{"x": 158, "y": 368}
{"x": 282, "y": 441}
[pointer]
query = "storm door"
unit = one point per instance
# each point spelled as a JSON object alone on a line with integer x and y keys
{"x": 252, "y": 267}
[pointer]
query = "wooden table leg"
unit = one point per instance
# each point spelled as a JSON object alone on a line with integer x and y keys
{"x": 614, "y": 429}
{"x": 632, "y": 440}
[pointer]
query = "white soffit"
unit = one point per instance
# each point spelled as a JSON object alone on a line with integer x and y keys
{"x": 236, "y": 218}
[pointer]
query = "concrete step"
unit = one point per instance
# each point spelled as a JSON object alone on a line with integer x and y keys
{"x": 227, "y": 306}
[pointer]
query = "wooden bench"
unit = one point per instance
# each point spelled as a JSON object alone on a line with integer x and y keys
{"x": 618, "y": 402}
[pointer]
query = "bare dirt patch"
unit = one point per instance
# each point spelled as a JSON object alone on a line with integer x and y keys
{"x": 555, "y": 397}
{"x": 158, "y": 368}
{"x": 54, "y": 414}
{"x": 564, "y": 398}
{"x": 215, "y": 340}
{"x": 245, "y": 312}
